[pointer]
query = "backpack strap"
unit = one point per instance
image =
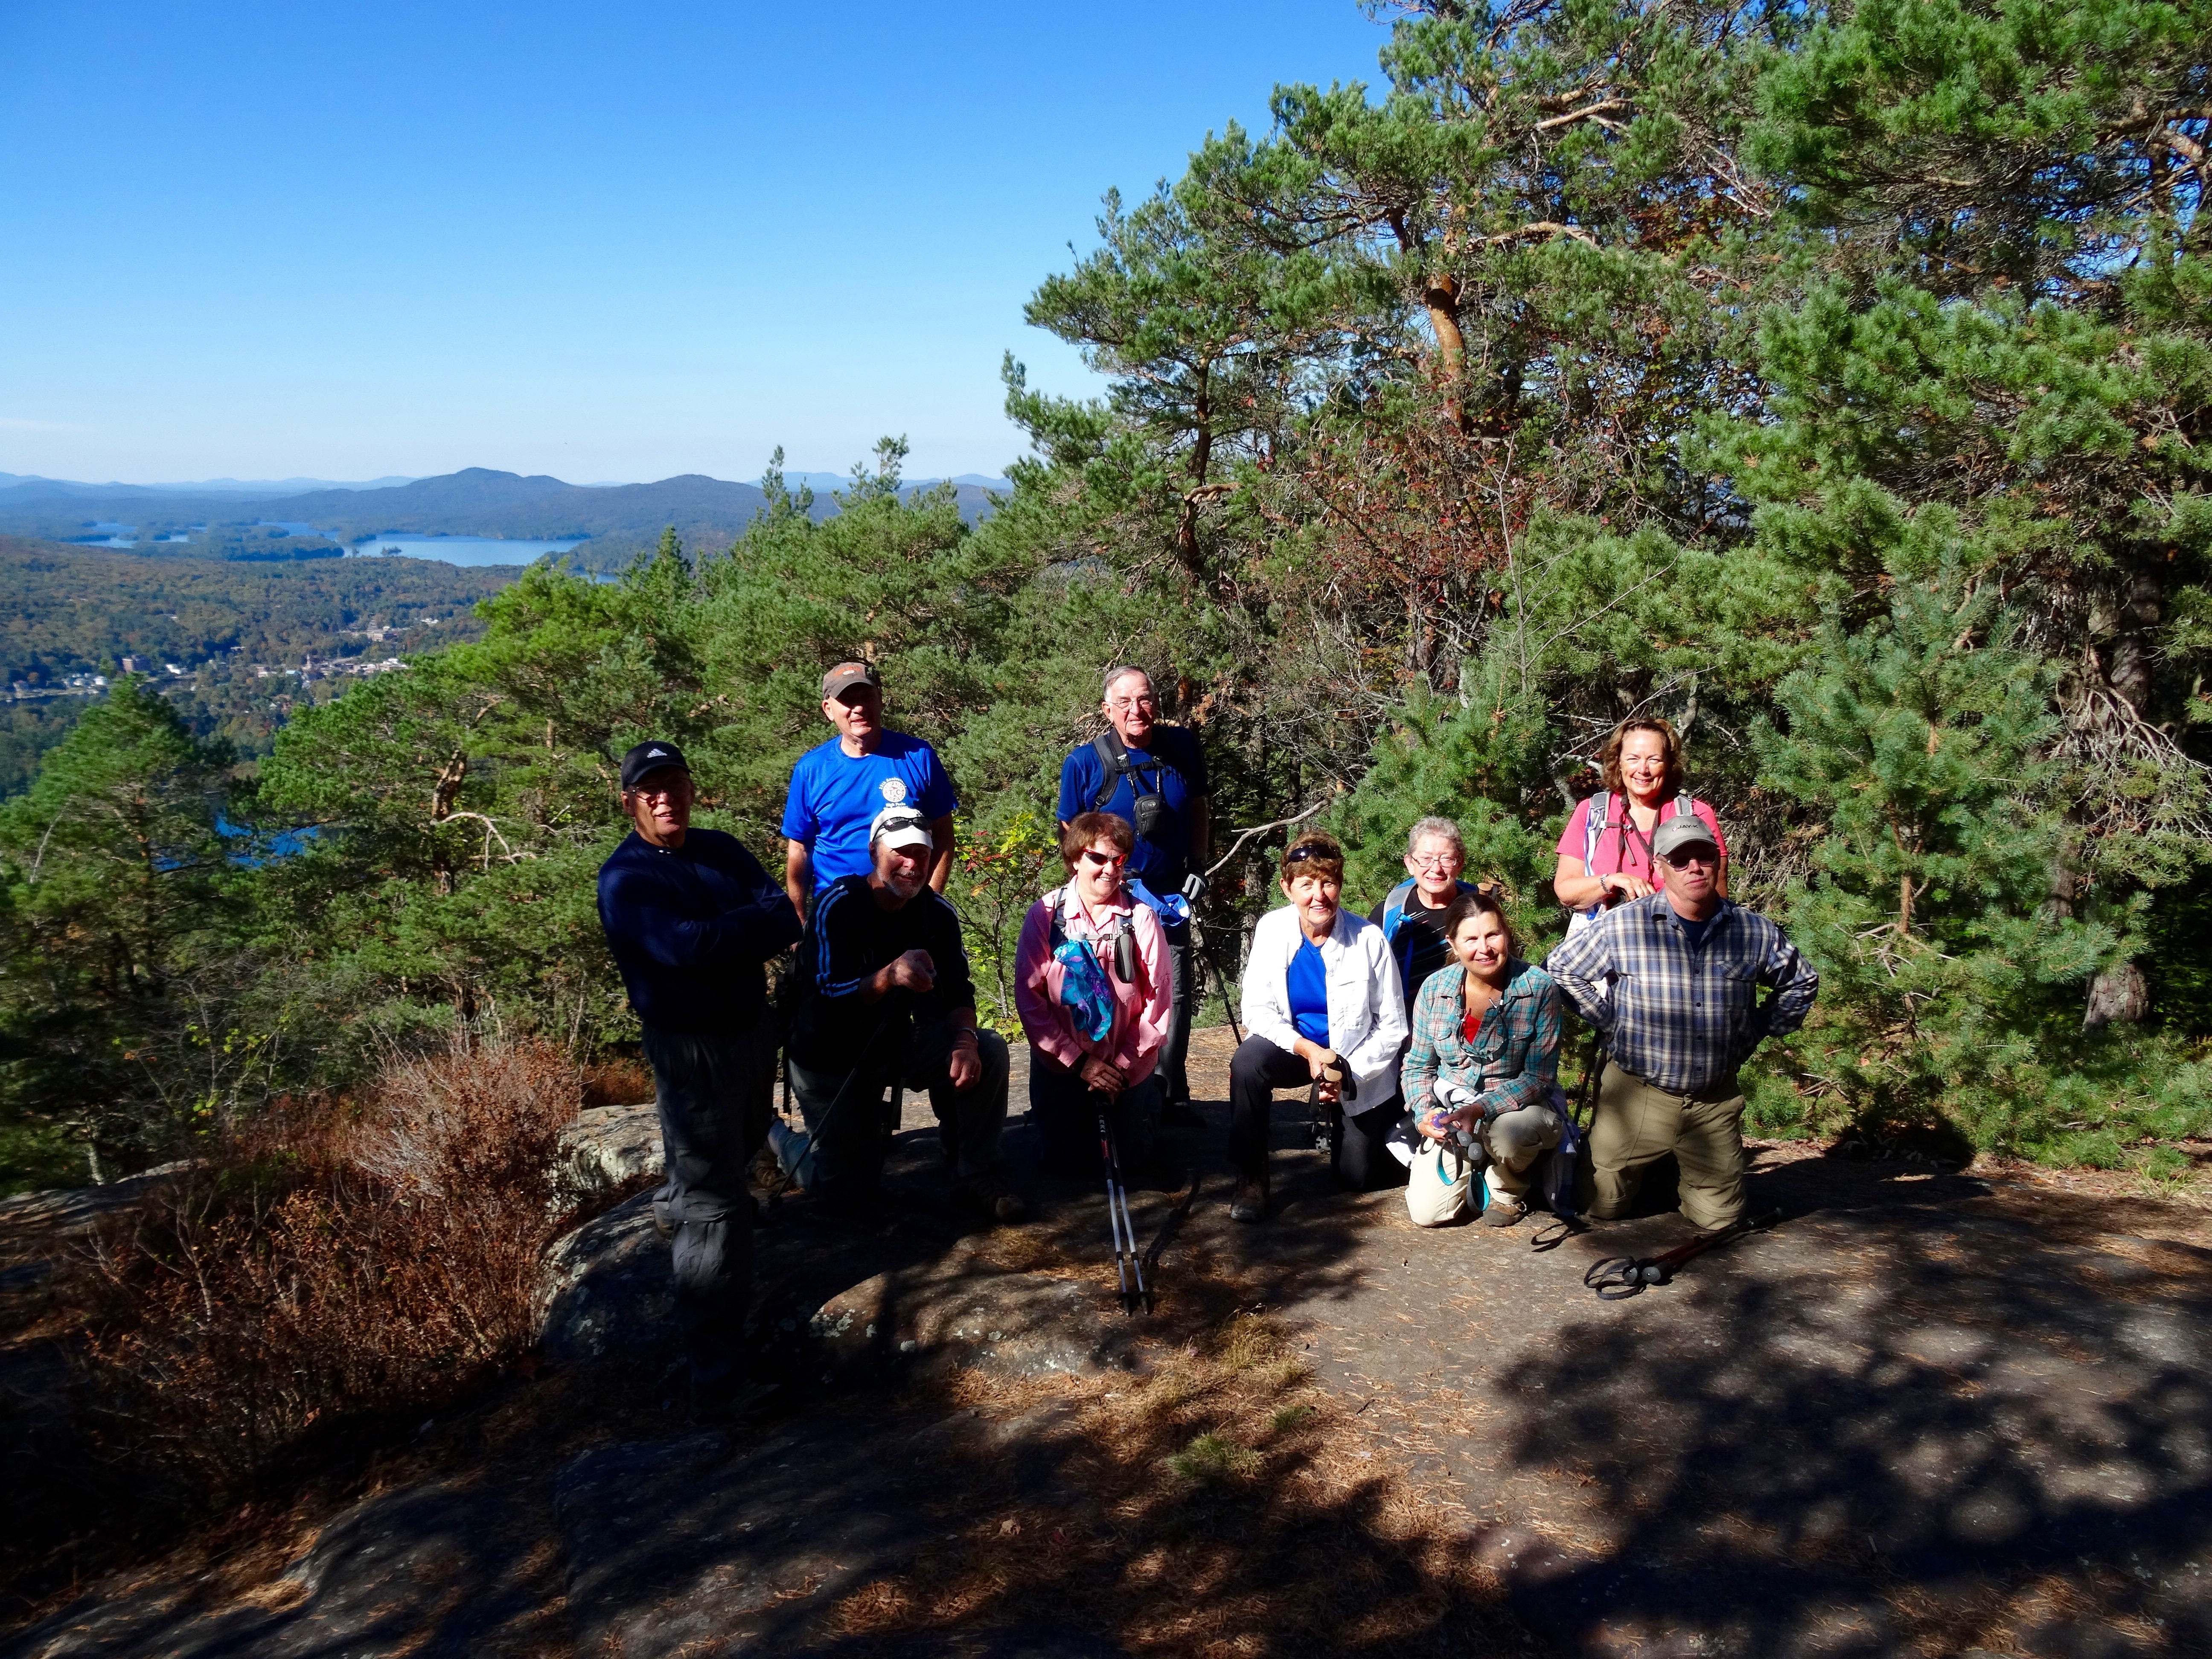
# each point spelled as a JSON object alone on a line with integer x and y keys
{"x": 1394, "y": 907}
{"x": 1112, "y": 763}
{"x": 1593, "y": 827}
{"x": 1114, "y": 758}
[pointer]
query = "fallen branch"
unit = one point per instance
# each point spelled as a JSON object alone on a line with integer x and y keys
{"x": 1244, "y": 835}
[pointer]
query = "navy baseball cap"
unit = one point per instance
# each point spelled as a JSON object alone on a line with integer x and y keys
{"x": 651, "y": 758}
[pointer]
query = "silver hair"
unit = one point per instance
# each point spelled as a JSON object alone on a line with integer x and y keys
{"x": 1120, "y": 671}
{"x": 1427, "y": 827}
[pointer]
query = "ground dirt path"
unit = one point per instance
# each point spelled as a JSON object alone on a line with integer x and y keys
{"x": 1928, "y": 1412}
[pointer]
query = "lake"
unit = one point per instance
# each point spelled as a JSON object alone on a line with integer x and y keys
{"x": 459, "y": 550}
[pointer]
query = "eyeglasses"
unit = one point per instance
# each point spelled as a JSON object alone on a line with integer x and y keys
{"x": 1105, "y": 859}
{"x": 667, "y": 791}
{"x": 1434, "y": 860}
{"x": 1145, "y": 702}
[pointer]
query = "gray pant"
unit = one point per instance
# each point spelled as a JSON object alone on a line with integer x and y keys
{"x": 848, "y": 1160}
{"x": 1182, "y": 969}
{"x": 710, "y": 1091}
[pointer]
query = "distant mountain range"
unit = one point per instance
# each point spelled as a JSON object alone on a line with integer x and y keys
{"x": 618, "y": 520}
{"x": 205, "y": 486}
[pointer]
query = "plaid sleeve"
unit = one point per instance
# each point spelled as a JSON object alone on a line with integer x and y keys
{"x": 1582, "y": 965}
{"x": 1795, "y": 983}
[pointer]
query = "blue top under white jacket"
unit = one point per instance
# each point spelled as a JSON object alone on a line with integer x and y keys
{"x": 1367, "y": 1009}
{"x": 690, "y": 928}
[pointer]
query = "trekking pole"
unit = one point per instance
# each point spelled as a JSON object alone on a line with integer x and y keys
{"x": 784, "y": 1177}
{"x": 1220, "y": 978}
{"x": 1118, "y": 1220}
{"x": 1619, "y": 1276}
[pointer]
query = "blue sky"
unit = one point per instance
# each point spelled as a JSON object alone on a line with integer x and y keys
{"x": 605, "y": 242}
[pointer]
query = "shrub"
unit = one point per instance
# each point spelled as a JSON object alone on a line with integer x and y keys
{"x": 330, "y": 1263}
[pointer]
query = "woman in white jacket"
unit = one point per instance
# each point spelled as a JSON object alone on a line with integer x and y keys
{"x": 1322, "y": 1000}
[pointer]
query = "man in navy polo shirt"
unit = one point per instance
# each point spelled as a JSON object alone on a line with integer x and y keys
{"x": 691, "y": 917}
{"x": 1153, "y": 776}
{"x": 837, "y": 789}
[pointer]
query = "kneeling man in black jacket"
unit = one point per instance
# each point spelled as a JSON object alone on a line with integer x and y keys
{"x": 691, "y": 917}
{"x": 889, "y": 999}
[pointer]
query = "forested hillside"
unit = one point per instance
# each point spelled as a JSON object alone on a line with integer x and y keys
{"x": 242, "y": 634}
{"x": 1829, "y": 380}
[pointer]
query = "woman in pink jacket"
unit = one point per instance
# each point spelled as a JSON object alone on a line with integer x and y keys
{"x": 1092, "y": 985}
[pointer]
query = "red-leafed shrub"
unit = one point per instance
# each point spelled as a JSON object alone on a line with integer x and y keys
{"x": 333, "y": 1262}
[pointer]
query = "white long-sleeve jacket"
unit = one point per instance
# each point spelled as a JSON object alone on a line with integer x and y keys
{"x": 1366, "y": 1008}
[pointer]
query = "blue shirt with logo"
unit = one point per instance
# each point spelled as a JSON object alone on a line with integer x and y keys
{"x": 1174, "y": 764}
{"x": 834, "y": 797}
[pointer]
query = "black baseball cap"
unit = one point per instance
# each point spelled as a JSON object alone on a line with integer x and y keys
{"x": 651, "y": 758}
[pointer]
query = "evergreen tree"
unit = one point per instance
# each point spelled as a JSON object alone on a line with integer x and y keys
{"x": 123, "y": 1006}
{"x": 1949, "y": 986}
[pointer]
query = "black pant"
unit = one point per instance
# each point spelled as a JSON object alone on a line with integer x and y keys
{"x": 848, "y": 1159}
{"x": 710, "y": 1091}
{"x": 1257, "y": 1071}
{"x": 1065, "y": 1113}
{"x": 1183, "y": 971}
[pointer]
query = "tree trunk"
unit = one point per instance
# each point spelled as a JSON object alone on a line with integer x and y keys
{"x": 1201, "y": 460}
{"x": 2120, "y": 992}
{"x": 1440, "y": 296}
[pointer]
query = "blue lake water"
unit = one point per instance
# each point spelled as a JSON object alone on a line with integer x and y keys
{"x": 462, "y": 550}
{"x": 452, "y": 550}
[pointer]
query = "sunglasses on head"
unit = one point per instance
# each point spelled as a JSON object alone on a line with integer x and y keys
{"x": 1300, "y": 854}
{"x": 1103, "y": 858}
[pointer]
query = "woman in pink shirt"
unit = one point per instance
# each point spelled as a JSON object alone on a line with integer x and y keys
{"x": 1097, "y": 1051}
{"x": 1642, "y": 767}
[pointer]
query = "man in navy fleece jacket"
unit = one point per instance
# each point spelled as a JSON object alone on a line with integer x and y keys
{"x": 691, "y": 917}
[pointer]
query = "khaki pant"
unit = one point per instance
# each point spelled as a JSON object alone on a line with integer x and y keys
{"x": 1637, "y": 1125}
{"x": 1515, "y": 1140}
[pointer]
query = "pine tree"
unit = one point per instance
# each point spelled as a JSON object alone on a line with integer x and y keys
{"x": 1950, "y": 989}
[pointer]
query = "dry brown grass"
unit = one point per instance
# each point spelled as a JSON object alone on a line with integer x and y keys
{"x": 329, "y": 1263}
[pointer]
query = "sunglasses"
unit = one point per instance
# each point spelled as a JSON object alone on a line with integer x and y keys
{"x": 1300, "y": 854}
{"x": 1105, "y": 859}
{"x": 1688, "y": 861}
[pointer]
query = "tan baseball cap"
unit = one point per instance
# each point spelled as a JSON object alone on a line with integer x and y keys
{"x": 1684, "y": 829}
{"x": 846, "y": 674}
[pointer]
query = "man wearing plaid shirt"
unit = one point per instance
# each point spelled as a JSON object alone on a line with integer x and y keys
{"x": 1672, "y": 982}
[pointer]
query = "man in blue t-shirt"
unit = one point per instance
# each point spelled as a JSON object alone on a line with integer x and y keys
{"x": 837, "y": 789}
{"x": 1157, "y": 774}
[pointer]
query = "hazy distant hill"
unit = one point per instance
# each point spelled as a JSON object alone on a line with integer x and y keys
{"x": 253, "y": 487}
{"x": 618, "y": 520}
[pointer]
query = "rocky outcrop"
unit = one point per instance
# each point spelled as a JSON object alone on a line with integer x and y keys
{"x": 609, "y": 1145}
{"x": 603, "y": 1290}
{"x": 956, "y": 1313}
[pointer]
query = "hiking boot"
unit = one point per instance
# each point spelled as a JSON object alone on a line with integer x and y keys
{"x": 1182, "y": 1115}
{"x": 990, "y": 1197}
{"x": 1502, "y": 1211}
{"x": 1251, "y": 1202}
